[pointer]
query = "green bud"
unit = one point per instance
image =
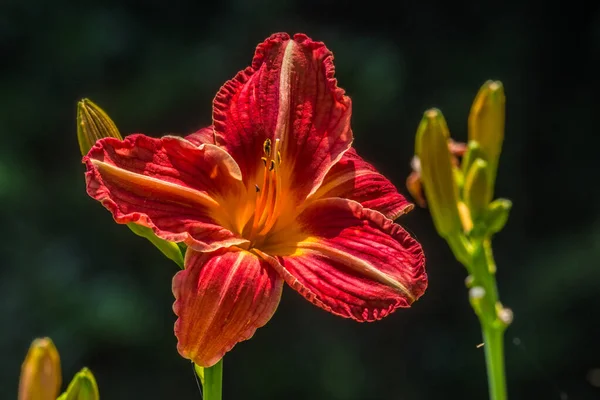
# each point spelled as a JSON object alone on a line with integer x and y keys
{"x": 473, "y": 153}
{"x": 486, "y": 124}
{"x": 497, "y": 215}
{"x": 437, "y": 173}
{"x": 477, "y": 195}
{"x": 82, "y": 387}
{"x": 40, "y": 373}
{"x": 93, "y": 124}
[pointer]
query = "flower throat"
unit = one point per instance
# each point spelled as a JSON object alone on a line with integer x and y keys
{"x": 268, "y": 196}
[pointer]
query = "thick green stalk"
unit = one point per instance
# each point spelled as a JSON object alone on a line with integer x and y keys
{"x": 493, "y": 339}
{"x": 213, "y": 382}
{"x": 492, "y": 327}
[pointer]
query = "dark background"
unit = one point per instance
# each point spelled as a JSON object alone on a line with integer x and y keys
{"x": 104, "y": 295}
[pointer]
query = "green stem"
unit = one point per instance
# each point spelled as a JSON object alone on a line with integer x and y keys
{"x": 213, "y": 382}
{"x": 483, "y": 269}
{"x": 493, "y": 339}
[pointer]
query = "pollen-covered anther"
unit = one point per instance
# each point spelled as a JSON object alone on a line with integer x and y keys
{"x": 267, "y": 147}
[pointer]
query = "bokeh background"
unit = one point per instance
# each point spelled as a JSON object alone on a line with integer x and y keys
{"x": 104, "y": 295}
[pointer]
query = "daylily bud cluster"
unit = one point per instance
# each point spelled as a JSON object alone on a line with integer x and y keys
{"x": 457, "y": 180}
{"x": 41, "y": 376}
{"x": 459, "y": 195}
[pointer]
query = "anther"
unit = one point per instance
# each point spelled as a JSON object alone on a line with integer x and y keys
{"x": 267, "y": 147}
{"x": 272, "y": 166}
{"x": 264, "y": 160}
{"x": 257, "y": 188}
{"x": 278, "y": 158}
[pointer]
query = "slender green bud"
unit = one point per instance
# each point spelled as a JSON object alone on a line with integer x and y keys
{"x": 82, "y": 387}
{"x": 437, "y": 173}
{"x": 40, "y": 373}
{"x": 486, "y": 124}
{"x": 93, "y": 124}
{"x": 477, "y": 194}
{"x": 473, "y": 153}
{"x": 497, "y": 215}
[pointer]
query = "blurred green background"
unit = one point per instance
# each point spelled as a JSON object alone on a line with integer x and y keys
{"x": 104, "y": 295}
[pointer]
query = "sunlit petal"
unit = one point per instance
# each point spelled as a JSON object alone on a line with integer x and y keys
{"x": 169, "y": 185}
{"x": 288, "y": 93}
{"x": 351, "y": 261}
{"x": 221, "y": 299}
{"x": 355, "y": 179}
{"x": 203, "y": 135}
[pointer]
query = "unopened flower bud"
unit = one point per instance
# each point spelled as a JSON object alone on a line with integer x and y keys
{"x": 40, "y": 372}
{"x": 93, "y": 124}
{"x": 497, "y": 215}
{"x": 486, "y": 124}
{"x": 82, "y": 387}
{"x": 437, "y": 174}
{"x": 476, "y": 191}
{"x": 472, "y": 153}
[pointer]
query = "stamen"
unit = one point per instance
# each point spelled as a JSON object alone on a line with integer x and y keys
{"x": 268, "y": 198}
{"x": 267, "y": 147}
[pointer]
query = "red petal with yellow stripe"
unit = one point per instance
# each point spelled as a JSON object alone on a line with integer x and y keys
{"x": 220, "y": 299}
{"x": 289, "y": 94}
{"x": 352, "y": 261}
{"x": 169, "y": 185}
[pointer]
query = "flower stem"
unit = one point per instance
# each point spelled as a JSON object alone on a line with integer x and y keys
{"x": 484, "y": 270}
{"x": 493, "y": 339}
{"x": 213, "y": 382}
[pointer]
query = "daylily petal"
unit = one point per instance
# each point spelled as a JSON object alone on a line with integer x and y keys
{"x": 288, "y": 93}
{"x": 221, "y": 299}
{"x": 351, "y": 261}
{"x": 169, "y": 185}
{"x": 203, "y": 135}
{"x": 355, "y": 179}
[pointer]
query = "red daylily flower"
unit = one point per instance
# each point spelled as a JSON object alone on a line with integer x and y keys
{"x": 272, "y": 192}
